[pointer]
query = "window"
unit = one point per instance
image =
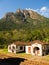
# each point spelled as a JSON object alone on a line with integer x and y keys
{"x": 10, "y": 48}
{"x": 12, "y": 51}
{"x": 16, "y": 47}
{"x": 29, "y": 49}
{"x": 13, "y": 47}
{"x": 21, "y": 48}
{"x": 36, "y": 50}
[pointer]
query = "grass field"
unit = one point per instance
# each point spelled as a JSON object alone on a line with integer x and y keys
{"x": 23, "y": 55}
{"x": 31, "y": 60}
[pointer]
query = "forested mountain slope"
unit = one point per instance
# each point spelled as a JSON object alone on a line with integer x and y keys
{"x": 23, "y": 25}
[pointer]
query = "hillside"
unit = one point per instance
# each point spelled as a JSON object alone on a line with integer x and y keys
{"x": 23, "y": 19}
{"x": 23, "y": 25}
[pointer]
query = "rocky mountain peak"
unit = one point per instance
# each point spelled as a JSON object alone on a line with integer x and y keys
{"x": 27, "y": 13}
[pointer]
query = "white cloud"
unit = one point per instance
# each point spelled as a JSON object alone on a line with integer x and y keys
{"x": 43, "y": 11}
{"x": 28, "y": 9}
{"x": 36, "y": 10}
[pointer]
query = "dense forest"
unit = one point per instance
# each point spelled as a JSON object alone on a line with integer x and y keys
{"x": 23, "y": 25}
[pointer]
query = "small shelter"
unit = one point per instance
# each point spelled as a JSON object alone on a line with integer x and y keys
{"x": 37, "y": 48}
{"x": 16, "y": 47}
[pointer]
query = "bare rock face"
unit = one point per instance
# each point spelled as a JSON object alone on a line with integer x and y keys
{"x": 22, "y": 15}
{"x": 23, "y": 19}
{"x": 28, "y": 13}
{"x": 33, "y": 15}
{"x": 10, "y": 16}
{"x": 19, "y": 10}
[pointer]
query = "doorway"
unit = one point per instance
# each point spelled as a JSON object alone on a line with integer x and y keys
{"x": 36, "y": 50}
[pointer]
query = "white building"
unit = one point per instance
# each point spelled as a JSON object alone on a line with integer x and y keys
{"x": 16, "y": 47}
{"x": 35, "y": 47}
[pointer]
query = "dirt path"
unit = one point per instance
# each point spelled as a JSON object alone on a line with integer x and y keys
{"x": 39, "y": 59}
{"x": 31, "y": 60}
{"x": 25, "y": 56}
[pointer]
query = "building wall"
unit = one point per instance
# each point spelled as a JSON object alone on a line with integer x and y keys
{"x": 12, "y": 49}
{"x": 27, "y": 49}
{"x": 38, "y": 46}
{"x": 19, "y": 49}
{"x": 15, "y": 49}
{"x": 30, "y": 51}
{"x": 9, "y": 50}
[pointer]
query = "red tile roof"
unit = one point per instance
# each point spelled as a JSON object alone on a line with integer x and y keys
{"x": 20, "y": 43}
{"x": 38, "y": 41}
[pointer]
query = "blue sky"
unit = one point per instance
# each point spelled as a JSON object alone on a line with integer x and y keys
{"x": 40, "y": 6}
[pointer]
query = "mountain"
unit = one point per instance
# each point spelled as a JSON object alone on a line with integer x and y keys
{"x": 23, "y": 25}
{"x": 23, "y": 19}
